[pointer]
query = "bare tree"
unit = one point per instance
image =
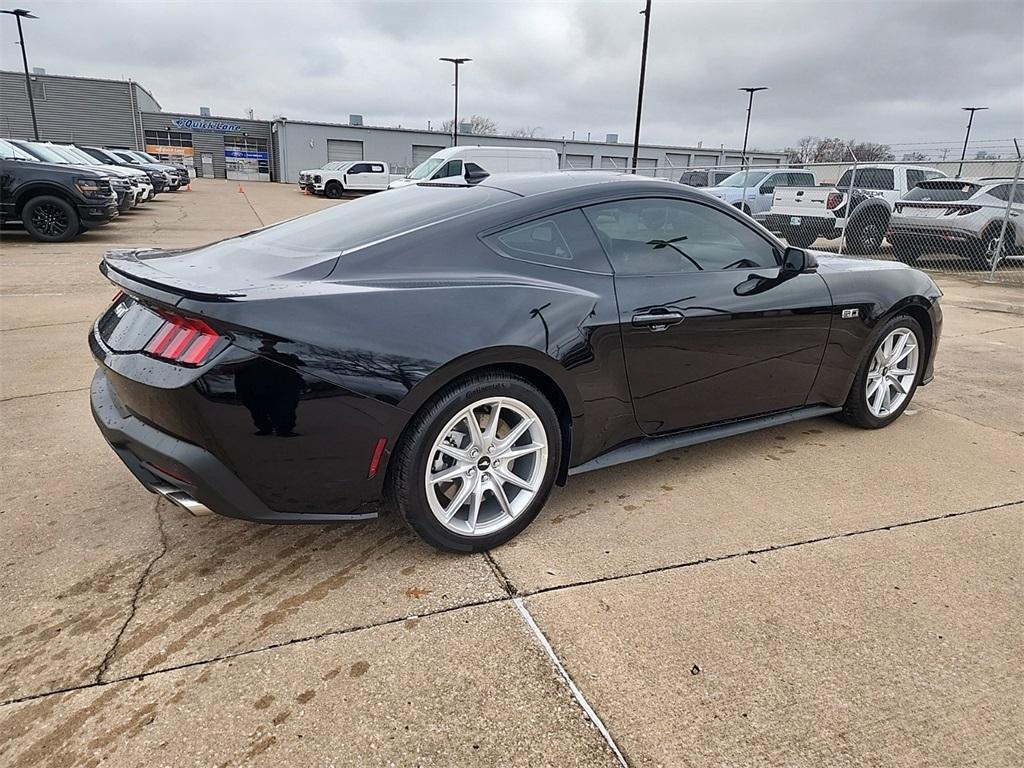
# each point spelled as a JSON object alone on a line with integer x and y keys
{"x": 478, "y": 125}
{"x": 526, "y": 132}
{"x": 815, "y": 149}
{"x": 914, "y": 157}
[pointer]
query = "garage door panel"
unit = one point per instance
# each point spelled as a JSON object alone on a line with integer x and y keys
{"x": 342, "y": 150}
{"x": 579, "y": 161}
{"x": 421, "y": 152}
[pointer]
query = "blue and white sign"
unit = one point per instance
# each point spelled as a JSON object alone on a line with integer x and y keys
{"x": 246, "y": 154}
{"x": 202, "y": 124}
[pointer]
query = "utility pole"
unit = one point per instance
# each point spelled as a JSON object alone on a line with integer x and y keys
{"x": 455, "y": 121}
{"x": 746, "y": 131}
{"x": 970, "y": 121}
{"x": 19, "y": 14}
{"x": 646, "y": 13}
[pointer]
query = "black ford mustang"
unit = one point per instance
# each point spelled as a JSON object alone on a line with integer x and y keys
{"x": 453, "y": 350}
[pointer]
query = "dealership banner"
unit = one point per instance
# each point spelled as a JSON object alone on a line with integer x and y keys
{"x": 160, "y": 149}
{"x": 247, "y": 155}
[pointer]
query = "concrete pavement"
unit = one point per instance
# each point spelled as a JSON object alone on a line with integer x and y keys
{"x": 810, "y": 595}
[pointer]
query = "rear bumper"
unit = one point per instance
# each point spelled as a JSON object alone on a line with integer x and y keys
{"x": 182, "y": 471}
{"x": 822, "y": 226}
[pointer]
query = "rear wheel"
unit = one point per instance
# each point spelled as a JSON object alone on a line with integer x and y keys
{"x": 50, "y": 219}
{"x": 865, "y": 233}
{"x": 888, "y": 377}
{"x": 477, "y": 464}
{"x": 993, "y": 250}
{"x": 333, "y": 190}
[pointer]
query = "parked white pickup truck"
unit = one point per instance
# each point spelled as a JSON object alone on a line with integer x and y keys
{"x": 337, "y": 178}
{"x": 803, "y": 214}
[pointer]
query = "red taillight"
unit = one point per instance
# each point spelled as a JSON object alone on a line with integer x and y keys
{"x": 186, "y": 340}
{"x": 833, "y": 201}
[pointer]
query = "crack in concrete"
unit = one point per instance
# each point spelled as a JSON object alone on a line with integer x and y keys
{"x": 928, "y": 407}
{"x": 43, "y": 394}
{"x": 982, "y": 333}
{"x": 139, "y": 676}
{"x": 506, "y": 583}
{"x": 109, "y": 656}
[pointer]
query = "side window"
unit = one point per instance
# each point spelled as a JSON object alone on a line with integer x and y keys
{"x": 563, "y": 240}
{"x": 771, "y": 181}
{"x": 665, "y": 236}
{"x": 914, "y": 177}
{"x": 721, "y": 176}
{"x": 1001, "y": 192}
{"x": 360, "y": 168}
{"x": 474, "y": 168}
{"x": 376, "y": 168}
{"x": 801, "y": 180}
{"x": 449, "y": 169}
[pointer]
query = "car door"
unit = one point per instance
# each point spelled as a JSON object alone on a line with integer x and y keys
{"x": 712, "y": 330}
{"x": 355, "y": 177}
{"x": 375, "y": 178}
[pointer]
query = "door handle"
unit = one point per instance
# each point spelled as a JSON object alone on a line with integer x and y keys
{"x": 658, "y": 321}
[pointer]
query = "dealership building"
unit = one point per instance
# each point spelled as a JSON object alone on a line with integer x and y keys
{"x": 123, "y": 114}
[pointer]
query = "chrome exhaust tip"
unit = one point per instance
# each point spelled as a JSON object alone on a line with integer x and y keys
{"x": 183, "y": 500}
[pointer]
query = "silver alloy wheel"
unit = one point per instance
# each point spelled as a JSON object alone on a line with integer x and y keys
{"x": 486, "y": 466}
{"x": 892, "y": 372}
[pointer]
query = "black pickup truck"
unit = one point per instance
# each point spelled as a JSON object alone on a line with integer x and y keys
{"x": 54, "y": 202}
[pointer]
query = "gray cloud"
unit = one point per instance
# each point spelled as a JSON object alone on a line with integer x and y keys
{"x": 890, "y": 71}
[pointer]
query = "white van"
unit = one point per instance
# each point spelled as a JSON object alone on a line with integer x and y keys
{"x": 455, "y": 161}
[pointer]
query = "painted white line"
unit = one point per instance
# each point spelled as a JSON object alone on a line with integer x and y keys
{"x": 573, "y": 689}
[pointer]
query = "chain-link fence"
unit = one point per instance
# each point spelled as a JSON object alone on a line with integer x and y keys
{"x": 965, "y": 218}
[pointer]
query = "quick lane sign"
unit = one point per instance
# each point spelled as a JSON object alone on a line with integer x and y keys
{"x": 202, "y": 124}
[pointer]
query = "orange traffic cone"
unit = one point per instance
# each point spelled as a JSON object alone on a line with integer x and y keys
{"x": 240, "y": 189}
{"x": 188, "y": 187}
{"x": 305, "y": 192}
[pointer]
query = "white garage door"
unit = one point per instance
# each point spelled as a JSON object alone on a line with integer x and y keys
{"x": 647, "y": 166}
{"x": 579, "y": 161}
{"x": 343, "y": 151}
{"x": 616, "y": 163}
{"x": 705, "y": 161}
{"x": 421, "y": 152}
{"x": 677, "y": 161}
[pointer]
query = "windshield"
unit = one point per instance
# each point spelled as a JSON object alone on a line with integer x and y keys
{"x": 9, "y": 151}
{"x": 869, "y": 178}
{"x": 426, "y": 168}
{"x": 46, "y": 154}
{"x": 69, "y": 157}
{"x": 753, "y": 178}
{"x": 331, "y": 166}
{"x": 80, "y": 157}
{"x": 145, "y": 156}
{"x": 942, "y": 191}
{"x": 127, "y": 157}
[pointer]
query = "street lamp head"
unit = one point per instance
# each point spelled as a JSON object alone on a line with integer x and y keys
{"x": 454, "y": 60}
{"x": 22, "y": 13}
{"x": 754, "y": 90}
{"x": 973, "y": 109}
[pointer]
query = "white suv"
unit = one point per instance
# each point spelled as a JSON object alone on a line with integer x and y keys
{"x": 958, "y": 216}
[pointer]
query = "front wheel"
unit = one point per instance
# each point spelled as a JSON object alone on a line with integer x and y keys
{"x": 477, "y": 464}
{"x": 888, "y": 377}
{"x": 50, "y": 219}
{"x": 333, "y": 190}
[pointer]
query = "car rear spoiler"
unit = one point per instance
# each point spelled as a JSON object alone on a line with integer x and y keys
{"x": 125, "y": 269}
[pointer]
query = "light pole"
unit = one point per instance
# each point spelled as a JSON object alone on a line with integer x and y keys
{"x": 750, "y": 106}
{"x": 646, "y": 13}
{"x": 970, "y": 120}
{"x": 19, "y": 14}
{"x": 455, "y": 122}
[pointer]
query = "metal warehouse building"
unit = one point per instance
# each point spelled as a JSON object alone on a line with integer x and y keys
{"x": 121, "y": 113}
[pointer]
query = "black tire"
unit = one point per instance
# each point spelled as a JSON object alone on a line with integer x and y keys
{"x": 855, "y": 410}
{"x": 50, "y": 219}
{"x": 333, "y": 190}
{"x": 989, "y": 245}
{"x": 799, "y": 238}
{"x": 406, "y": 491}
{"x": 865, "y": 233}
{"x": 906, "y": 251}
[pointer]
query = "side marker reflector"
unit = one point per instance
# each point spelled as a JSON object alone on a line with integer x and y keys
{"x": 378, "y": 451}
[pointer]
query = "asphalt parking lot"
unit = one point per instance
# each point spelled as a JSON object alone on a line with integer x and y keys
{"x": 812, "y": 595}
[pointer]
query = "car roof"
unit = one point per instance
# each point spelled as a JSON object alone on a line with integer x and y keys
{"x": 527, "y": 184}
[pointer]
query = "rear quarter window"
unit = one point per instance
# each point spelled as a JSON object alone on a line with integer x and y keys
{"x": 564, "y": 240}
{"x": 942, "y": 191}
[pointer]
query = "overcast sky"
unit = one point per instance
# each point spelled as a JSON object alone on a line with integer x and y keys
{"x": 894, "y": 71}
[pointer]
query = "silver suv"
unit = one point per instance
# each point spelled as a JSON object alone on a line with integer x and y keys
{"x": 962, "y": 216}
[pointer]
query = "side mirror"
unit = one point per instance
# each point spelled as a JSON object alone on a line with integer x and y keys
{"x": 475, "y": 175}
{"x": 796, "y": 261}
